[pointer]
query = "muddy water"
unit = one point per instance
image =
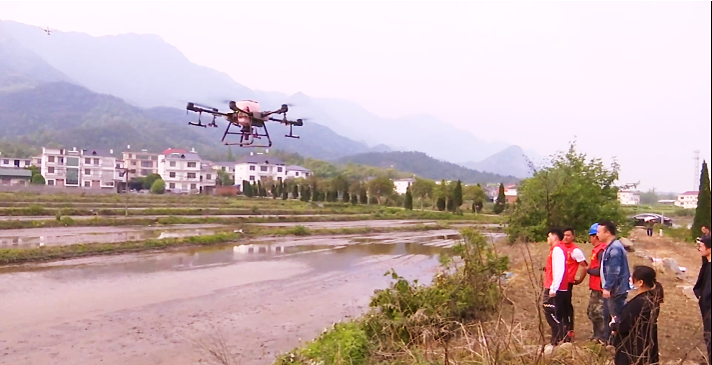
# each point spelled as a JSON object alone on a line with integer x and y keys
{"x": 38, "y": 237}
{"x": 75, "y": 217}
{"x": 154, "y": 309}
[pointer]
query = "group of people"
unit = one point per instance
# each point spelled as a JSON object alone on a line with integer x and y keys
{"x": 630, "y": 327}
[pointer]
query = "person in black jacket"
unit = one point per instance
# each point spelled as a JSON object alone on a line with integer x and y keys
{"x": 635, "y": 332}
{"x": 702, "y": 291}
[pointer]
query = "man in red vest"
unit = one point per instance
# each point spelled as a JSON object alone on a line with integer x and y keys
{"x": 576, "y": 266}
{"x": 555, "y": 280}
{"x": 595, "y": 302}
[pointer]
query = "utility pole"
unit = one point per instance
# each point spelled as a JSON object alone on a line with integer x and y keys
{"x": 696, "y": 181}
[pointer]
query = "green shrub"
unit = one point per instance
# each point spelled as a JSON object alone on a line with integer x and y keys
{"x": 158, "y": 187}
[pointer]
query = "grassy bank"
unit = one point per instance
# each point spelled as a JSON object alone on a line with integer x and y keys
{"x": 47, "y": 253}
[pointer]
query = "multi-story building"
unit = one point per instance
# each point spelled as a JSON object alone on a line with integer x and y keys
{"x": 687, "y": 200}
{"x": 261, "y": 167}
{"x": 87, "y": 168}
{"x": 144, "y": 162}
{"x": 208, "y": 177}
{"x": 181, "y": 170}
{"x": 629, "y": 197}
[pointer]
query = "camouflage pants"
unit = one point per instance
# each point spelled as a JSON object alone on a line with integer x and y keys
{"x": 595, "y": 313}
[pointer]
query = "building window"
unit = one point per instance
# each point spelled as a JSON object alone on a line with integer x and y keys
{"x": 96, "y": 161}
{"x": 50, "y": 182}
{"x": 146, "y": 164}
{"x": 172, "y": 185}
{"x": 252, "y": 178}
{"x": 133, "y": 163}
{"x": 296, "y": 173}
{"x": 252, "y": 167}
{"x": 191, "y": 175}
{"x": 263, "y": 168}
{"x": 208, "y": 176}
{"x": 192, "y": 186}
{"x": 72, "y": 176}
{"x": 50, "y": 158}
{"x": 87, "y": 161}
{"x": 173, "y": 164}
{"x": 191, "y": 164}
{"x": 87, "y": 184}
{"x": 6, "y": 162}
{"x": 145, "y": 172}
{"x": 279, "y": 169}
{"x": 172, "y": 174}
{"x": 87, "y": 171}
{"x": 50, "y": 170}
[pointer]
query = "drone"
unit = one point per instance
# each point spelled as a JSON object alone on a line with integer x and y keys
{"x": 47, "y": 30}
{"x": 248, "y": 117}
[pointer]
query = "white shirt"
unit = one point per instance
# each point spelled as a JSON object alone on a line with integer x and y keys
{"x": 558, "y": 263}
{"x": 578, "y": 255}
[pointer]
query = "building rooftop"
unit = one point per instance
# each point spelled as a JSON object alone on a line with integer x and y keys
{"x": 15, "y": 172}
{"x": 100, "y": 152}
{"x": 260, "y": 159}
{"x": 190, "y": 156}
{"x": 297, "y": 168}
{"x": 173, "y": 150}
{"x": 695, "y": 193}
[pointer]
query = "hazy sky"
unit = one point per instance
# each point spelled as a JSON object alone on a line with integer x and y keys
{"x": 626, "y": 79}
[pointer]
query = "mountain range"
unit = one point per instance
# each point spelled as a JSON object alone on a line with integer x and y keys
{"x": 140, "y": 80}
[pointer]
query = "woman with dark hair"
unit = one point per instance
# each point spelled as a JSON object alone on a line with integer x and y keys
{"x": 636, "y": 330}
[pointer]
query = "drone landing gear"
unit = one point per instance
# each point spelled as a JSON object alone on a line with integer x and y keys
{"x": 200, "y": 112}
{"x": 248, "y": 135}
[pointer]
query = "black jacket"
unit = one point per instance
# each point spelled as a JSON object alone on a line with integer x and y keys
{"x": 636, "y": 337}
{"x": 702, "y": 288}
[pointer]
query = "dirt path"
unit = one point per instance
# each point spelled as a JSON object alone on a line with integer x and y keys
{"x": 150, "y": 309}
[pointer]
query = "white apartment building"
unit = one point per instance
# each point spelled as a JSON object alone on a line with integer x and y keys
{"x": 401, "y": 185}
{"x": 228, "y": 167}
{"x": 181, "y": 170}
{"x": 86, "y": 168}
{"x": 259, "y": 166}
{"x": 687, "y": 200}
{"x": 297, "y": 172}
{"x": 144, "y": 162}
{"x": 629, "y": 197}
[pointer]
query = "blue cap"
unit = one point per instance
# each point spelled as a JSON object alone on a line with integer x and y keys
{"x": 593, "y": 230}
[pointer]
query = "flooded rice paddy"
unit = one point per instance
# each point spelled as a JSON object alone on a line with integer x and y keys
{"x": 261, "y": 297}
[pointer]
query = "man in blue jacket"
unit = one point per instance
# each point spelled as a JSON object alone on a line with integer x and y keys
{"x": 615, "y": 274}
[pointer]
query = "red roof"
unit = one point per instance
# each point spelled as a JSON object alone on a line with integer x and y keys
{"x": 173, "y": 150}
{"x": 695, "y": 193}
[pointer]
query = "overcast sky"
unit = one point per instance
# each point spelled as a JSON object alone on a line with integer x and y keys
{"x": 629, "y": 79}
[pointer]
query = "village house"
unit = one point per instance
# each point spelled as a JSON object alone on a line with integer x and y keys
{"x": 15, "y": 176}
{"x": 629, "y": 197}
{"x": 181, "y": 170}
{"x": 687, "y": 200}
{"x": 297, "y": 172}
{"x": 144, "y": 163}
{"x": 401, "y": 185}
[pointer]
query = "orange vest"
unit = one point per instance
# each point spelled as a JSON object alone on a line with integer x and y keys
{"x": 594, "y": 282}
{"x": 549, "y": 273}
{"x": 571, "y": 264}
